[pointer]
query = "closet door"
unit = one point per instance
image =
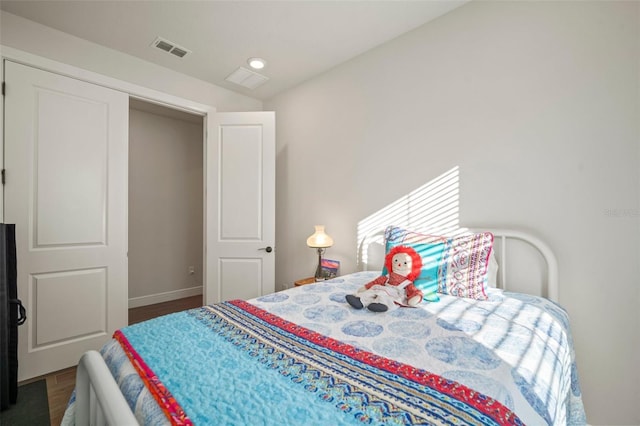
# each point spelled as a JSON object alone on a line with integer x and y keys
{"x": 66, "y": 191}
{"x": 240, "y": 206}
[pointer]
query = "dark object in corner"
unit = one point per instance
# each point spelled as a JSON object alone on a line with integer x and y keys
{"x": 12, "y": 314}
{"x": 31, "y": 409}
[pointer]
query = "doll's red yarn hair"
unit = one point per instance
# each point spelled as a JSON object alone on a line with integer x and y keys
{"x": 416, "y": 261}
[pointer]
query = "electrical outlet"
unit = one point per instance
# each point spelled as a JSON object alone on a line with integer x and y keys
{"x": 192, "y": 270}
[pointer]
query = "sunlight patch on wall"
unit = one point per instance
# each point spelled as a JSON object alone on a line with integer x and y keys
{"x": 431, "y": 208}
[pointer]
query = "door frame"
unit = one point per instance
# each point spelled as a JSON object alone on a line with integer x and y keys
{"x": 134, "y": 91}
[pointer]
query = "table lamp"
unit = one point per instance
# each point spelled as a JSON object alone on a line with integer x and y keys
{"x": 319, "y": 240}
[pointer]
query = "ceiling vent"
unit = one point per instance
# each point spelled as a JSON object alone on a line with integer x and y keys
{"x": 246, "y": 78}
{"x": 170, "y": 47}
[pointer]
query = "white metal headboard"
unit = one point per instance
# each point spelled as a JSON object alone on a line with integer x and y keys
{"x": 371, "y": 255}
{"x": 549, "y": 257}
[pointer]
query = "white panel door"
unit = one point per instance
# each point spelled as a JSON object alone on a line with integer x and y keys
{"x": 66, "y": 191}
{"x": 240, "y": 206}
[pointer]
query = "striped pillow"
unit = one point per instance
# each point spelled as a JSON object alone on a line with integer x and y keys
{"x": 465, "y": 269}
{"x": 457, "y": 266}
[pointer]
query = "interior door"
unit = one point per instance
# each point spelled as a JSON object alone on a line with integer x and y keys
{"x": 240, "y": 206}
{"x": 66, "y": 191}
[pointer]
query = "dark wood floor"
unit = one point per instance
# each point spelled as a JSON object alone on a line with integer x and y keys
{"x": 60, "y": 384}
{"x": 144, "y": 313}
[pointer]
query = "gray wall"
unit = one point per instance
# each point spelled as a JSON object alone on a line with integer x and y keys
{"x": 165, "y": 207}
{"x": 537, "y": 104}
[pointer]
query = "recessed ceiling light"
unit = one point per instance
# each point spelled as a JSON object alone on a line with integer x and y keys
{"x": 256, "y": 63}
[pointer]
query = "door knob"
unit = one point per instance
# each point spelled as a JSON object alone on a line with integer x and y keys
{"x": 268, "y": 249}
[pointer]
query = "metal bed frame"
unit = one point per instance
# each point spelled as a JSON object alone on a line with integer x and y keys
{"x": 502, "y": 237}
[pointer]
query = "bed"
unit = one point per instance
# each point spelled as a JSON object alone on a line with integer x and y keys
{"x": 304, "y": 356}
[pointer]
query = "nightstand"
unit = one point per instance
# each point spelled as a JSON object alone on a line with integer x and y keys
{"x": 305, "y": 281}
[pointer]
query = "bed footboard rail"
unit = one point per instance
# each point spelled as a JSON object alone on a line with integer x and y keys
{"x": 98, "y": 397}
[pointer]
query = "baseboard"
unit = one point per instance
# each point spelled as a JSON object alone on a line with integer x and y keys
{"x": 152, "y": 299}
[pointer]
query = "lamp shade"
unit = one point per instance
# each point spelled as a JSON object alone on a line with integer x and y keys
{"x": 319, "y": 239}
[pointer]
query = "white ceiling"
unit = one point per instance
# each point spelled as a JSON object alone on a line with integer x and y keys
{"x": 298, "y": 39}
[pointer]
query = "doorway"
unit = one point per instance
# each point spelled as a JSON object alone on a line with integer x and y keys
{"x": 165, "y": 221}
{"x": 67, "y": 158}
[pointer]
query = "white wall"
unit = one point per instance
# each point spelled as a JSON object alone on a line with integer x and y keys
{"x": 165, "y": 207}
{"x": 37, "y": 39}
{"x": 538, "y": 105}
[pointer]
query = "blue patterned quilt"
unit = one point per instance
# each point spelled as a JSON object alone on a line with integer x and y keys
{"x": 507, "y": 360}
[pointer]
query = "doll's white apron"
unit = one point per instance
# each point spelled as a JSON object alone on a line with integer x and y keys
{"x": 389, "y": 295}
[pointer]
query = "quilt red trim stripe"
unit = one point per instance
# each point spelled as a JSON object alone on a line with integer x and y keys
{"x": 160, "y": 393}
{"x": 488, "y": 406}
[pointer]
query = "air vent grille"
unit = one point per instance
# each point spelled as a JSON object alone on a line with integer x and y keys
{"x": 178, "y": 52}
{"x": 170, "y": 47}
{"x": 246, "y": 78}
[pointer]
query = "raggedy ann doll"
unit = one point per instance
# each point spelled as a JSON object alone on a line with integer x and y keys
{"x": 387, "y": 292}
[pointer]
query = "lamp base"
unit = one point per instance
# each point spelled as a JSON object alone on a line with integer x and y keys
{"x": 318, "y": 276}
